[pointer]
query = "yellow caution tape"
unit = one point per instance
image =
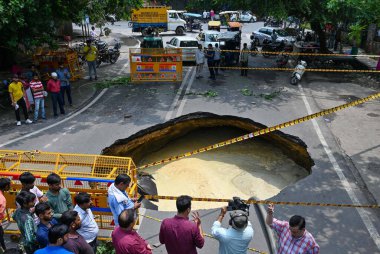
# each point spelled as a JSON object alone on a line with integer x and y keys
{"x": 292, "y": 69}
{"x": 208, "y": 235}
{"x": 287, "y": 53}
{"x": 267, "y": 202}
{"x": 262, "y": 131}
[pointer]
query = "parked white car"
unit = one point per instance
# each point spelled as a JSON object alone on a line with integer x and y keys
{"x": 208, "y": 37}
{"x": 266, "y": 33}
{"x": 247, "y": 16}
{"x": 188, "y": 45}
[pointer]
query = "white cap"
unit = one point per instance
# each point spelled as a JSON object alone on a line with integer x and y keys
{"x": 54, "y": 74}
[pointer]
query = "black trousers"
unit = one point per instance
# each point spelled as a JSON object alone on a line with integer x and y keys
{"x": 211, "y": 69}
{"x": 244, "y": 72}
{"x": 57, "y": 98}
{"x": 21, "y": 104}
{"x": 67, "y": 90}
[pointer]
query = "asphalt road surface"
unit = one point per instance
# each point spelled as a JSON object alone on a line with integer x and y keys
{"x": 344, "y": 145}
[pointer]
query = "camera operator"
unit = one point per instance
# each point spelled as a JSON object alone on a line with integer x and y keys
{"x": 234, "y": 239}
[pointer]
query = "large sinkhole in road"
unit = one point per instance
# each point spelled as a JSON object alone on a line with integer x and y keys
{"x": 259, "y": 167}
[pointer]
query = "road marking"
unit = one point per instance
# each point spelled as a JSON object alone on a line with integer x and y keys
{"x": 184, "y": 99}
{"x": 365, "y": 218}
{"x": 175, "y": 101}
{"x": 142, "y": 212}
{"x": 122, "y": 68}
{"x": 57, "y": 123}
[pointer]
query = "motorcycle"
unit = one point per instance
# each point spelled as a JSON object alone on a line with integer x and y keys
{"x": 282, "y": 59}
{"x": 298, "y": 72}
{"x": 269, "y": 46}
{"x": 109, "y": 55}
{"x": 253, "y": 48}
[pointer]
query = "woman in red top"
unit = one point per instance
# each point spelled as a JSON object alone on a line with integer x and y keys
{"x": 54, "y": 87}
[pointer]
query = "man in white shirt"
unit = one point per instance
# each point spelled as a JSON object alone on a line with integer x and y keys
{"x": 89, "y": 228}
{"x": 236, "y": 238}
{"x": 93, "y": 34}
{"x": 200, "y": 61}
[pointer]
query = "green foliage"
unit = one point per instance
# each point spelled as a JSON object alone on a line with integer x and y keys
{"x": 25, "y": 24}
{"x": 246, "y": 92}
{"x": 113, "y": 82}
{"x": 355, "y": 33}
{"x": 105, "y": 248}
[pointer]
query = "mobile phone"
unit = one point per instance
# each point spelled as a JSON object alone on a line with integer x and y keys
{"x": 140, "y": 198}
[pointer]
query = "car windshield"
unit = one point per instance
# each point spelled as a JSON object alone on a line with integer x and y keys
{"x": 282, "y": 33}
{"x": 211, "y": 37}
{"x": 187, "y": 44}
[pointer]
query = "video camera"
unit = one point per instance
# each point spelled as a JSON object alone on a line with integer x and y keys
{"x": 237, "y": 204}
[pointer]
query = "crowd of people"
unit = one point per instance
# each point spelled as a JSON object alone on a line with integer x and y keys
{"x": 27, "y": 92}
{"x": 213, "y": 56}
{"x": 50, "y": 223}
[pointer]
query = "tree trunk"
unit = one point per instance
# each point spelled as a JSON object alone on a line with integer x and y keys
{"x": 316, "y": 26}
{"x": 370, "y": 36}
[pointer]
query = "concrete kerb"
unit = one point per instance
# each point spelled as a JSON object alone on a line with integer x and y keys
{"x": 267, "y": 230}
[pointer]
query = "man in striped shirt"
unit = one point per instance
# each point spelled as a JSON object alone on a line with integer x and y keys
{"x": 293, "y": 238}
{"x": 38, "y": 95}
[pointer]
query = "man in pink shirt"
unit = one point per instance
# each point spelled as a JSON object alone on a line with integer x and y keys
{"x": 293, "y": 238}
{"x": 179, "y": 234}
{"x": 54, "y": 87}
{"x": 125, "y": 239}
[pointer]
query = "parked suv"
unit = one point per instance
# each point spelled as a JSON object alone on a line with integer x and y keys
{"x": 266, "y": 33}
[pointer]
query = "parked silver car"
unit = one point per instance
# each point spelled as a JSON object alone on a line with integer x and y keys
{"x": 266, "y": 33}
{"x": 189, "y": 46}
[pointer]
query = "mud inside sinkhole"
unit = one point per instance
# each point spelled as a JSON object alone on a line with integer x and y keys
{"x": 259, "y": 167}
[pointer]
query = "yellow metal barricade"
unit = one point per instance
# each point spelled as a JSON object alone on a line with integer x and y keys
{"x": 151, "y": 64}
{"x": 79, "y": 173}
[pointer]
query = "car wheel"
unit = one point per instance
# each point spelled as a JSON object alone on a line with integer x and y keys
{"x": 179, "y": 31}
{"x": 252, "y": 20}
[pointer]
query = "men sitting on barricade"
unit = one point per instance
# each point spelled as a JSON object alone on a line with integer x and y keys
{"x": 236, "y": 238}
{"x": 5, "y": 185}
{"x": 125, "y": 239}
{"x": 75, "y": 242}
{"x": 118, "y": 199}
{"x": 179, "y": 234}
{"x": 27, "y": 184}
{"x": 45, "y": 214}
{"x": 57, "y": 237}
{"x": 292, "y": 235}
{"x": 58, "y": 198}
{"x": 89, "y": 228}
{"x": 25, "y": 221}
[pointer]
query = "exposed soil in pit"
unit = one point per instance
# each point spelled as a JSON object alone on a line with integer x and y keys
{"x": 259, "y": 167}
{"x": 245, "y": 169}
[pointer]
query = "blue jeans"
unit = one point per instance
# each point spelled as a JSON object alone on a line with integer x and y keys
{"x": 56, "y": 98}
{"x": 91, "y": 68}
{"x": 39, "y": 103}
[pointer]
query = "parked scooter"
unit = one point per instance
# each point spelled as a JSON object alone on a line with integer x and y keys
{"x": 109, "y": 55}
{"x": 298, "y": 72}
{"x": 253, "y": 48}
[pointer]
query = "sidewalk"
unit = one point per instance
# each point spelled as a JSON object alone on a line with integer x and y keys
{"x": 82, "y": 91}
